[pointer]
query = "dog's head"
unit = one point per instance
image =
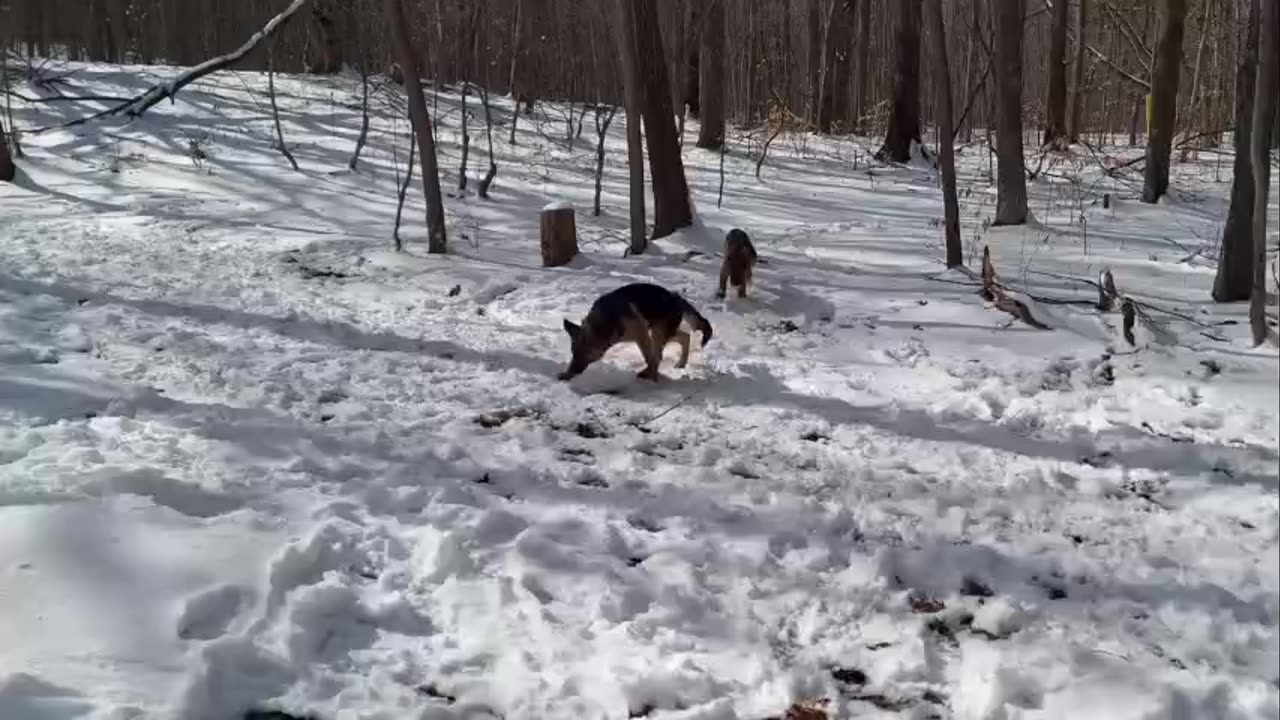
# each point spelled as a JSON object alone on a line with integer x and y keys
{"x": 586, "y": 346}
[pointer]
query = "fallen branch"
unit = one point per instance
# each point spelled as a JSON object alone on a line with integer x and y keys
{"x": 66, "y": 98}
{"x": 137, "y": 105}
{"x": 995, "y": 292}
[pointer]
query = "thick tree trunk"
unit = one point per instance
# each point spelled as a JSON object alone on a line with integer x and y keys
{"x": 1055, "y": 126}
{"x": 692, "y": 87}
{"x": 946, "y": 148}
{"x": 634, "y": 90}
{"x": 1011, "y": 178}
{"x": 904, "y": 111}
{"x": 1234, "y": 280}
{"x": 1264, "y": 109}
{"x": 7, "y": 169}
{"x": 1077, "y": 73}
{"x": 835, "y": 64}
{"x": 327, "y": 57}
{"x": 1164, "y": 99}
{"x": 436, "y": 237}
{"x": 712, "y": 82}
{"x": 671, "y": 210}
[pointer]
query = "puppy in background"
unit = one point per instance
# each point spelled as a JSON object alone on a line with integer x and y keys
{"x": 739, "y": 262}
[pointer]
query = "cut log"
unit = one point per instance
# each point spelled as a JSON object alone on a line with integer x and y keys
{"x": 559, "y": 235}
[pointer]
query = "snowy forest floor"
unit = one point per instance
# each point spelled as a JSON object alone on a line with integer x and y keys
{"x": 251, "y": 458}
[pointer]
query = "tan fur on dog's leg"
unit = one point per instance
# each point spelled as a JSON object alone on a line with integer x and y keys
{"x": 682, "y": 339}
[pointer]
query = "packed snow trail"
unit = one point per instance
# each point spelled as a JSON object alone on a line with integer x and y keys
{"x": 249, "y": 458}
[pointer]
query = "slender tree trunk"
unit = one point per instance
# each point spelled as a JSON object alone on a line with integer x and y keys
{"x": 946, "y": 148}
{"x": 815, "y": 55}
{"x": 436, "y": 237}
{"x": 275, "y": 109}
{"x": 1055, "y": 127}
{"x": 1011, "y": 178}
{"x": 364, "y": 118}
{"x": 1234, "y": 280}
{"x": 671, "y": 210}
{"x": 904, "y": 111}
{"x": 1264, "y": 110}
{"x": 862, "y": 73}
{"x": 1164, "y": 99}
{"x": 634, "y": 91}
{"x": 712, "y": 83}
{"x": 492, "y": 172}
{"x": 603, "y": 119}
{"x": 1077, "y": 72}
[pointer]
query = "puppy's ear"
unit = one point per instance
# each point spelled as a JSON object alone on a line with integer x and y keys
{"x": 572, "y": 329}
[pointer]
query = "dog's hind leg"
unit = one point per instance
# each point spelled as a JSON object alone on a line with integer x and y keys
{"x": 724, "y": 279}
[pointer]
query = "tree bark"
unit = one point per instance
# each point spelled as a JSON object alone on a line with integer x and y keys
{"x": 835, "y": 63}
{"x": 1164, "y": 99}
{"x": 904, "y": 110}
{"x": 862, "y": 73}
{"x": 634, "y": 92}
{"x": 1234, "y": 279}
{"x": 558, "y": 236}
{"x": 1264, "y": 109}
{"x": 436, "y": 237}
{"x": 1011, "y": 178}
{"x": 692, "y": 87}
{"x": 7, "y": 169}
{"x": 1055, "y": 126}
{"x": 946, "y": 147}
{"x": 671, "y": 210}
{"x": 1077, "y": 73}
{"x": 712, "y": 83}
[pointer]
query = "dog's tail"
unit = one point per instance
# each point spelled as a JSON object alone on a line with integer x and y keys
{"x": 695, "y": 320}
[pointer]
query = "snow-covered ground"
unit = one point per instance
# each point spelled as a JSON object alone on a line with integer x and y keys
{"x": 250, "y": 458}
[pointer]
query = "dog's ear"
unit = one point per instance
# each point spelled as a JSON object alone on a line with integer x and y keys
{"x": 572, "y": 329}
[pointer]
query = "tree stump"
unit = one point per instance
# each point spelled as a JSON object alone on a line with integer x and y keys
{"x": 559, "y": 235}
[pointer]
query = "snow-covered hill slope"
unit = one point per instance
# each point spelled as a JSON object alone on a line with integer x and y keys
{"x": 250, "y": 458}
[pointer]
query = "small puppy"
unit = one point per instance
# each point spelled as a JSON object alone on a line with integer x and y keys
{"x": 648, "y": 315}
{"x": 739, "y": 262}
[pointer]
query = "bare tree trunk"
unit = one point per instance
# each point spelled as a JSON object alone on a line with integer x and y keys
{"x": 7, "y": 169}
{"x": 1077, "y": 73}
{"x": 364, "y": 118}
{"x": 1234, "y": 279}
{"x": 404, "y": 191}
{"x": 946, "y": 148}
{"x": 436, "y": 237}
{"x": 466, "y": 142}
{"x": 602, "y": 131}
{"x": 511, "y": 77}
{"x": 1011, "y": 178}
{"x": 634, "y": 90}
{"x": 329, "y": 58}
{"x": 275, "y": 110}
{"x": 671, "y": 210}
{"x": 1164, "y": 99}
{"x": 492, "y": 172}
{"x": 692, "y": 95}
{"x": 1055, "y": 127}
{"x": 904, "y": 112}
{"x": 1264, "y": 109}
{"x": 712, "y": 83}
{"x": 862, "y": 73}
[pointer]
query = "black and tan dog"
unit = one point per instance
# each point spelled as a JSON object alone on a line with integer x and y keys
{"x": 648, "y": 315}
{"x": 739, "y": 262}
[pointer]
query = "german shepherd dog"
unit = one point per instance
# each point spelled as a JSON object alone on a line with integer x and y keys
{"x": 648, "y": 315}
{"x": 739, "y": 262}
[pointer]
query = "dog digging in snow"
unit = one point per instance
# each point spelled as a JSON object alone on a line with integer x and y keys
{"x": 648, "y": 315}
{"x": 739, "y": 262}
